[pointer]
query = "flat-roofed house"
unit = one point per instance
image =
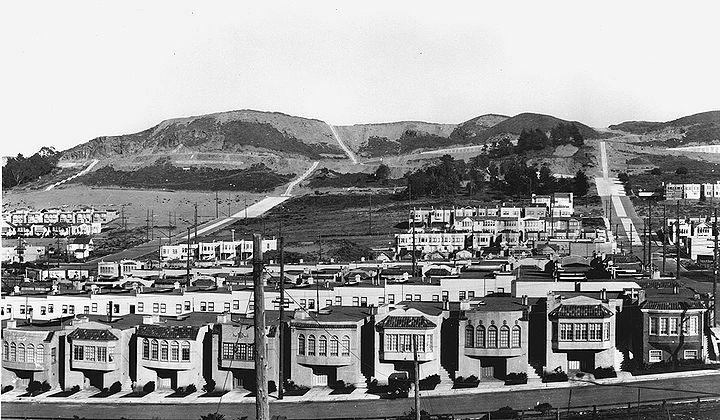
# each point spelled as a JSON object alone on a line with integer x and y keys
{"x": 330, "y": 346}
{"x": 494, "y": 337}
{"x": 400, "y": 330}
{"x": 100, "y": 351}
{"x": 31, "y": 352}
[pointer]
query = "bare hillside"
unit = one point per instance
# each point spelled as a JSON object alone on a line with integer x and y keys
{"x": 355, "y": 136}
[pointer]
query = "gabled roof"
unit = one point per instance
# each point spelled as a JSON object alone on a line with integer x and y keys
{"x": 92, "y": 334}
{"x": 580, "y": 311}
{"x": 406, "y": 322}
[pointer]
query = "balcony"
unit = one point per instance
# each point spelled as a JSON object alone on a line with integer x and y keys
{"x": 324, "y": 360}
{"x": 167, "y": 364}
{"x": 494, "y": 352}
{"x": 33, "y": 366}
{"x": 394, "y": 356}
{"x": 582, "y": 345}
{"x": 88, "y": 365}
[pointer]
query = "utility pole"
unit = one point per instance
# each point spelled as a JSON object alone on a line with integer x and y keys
{"x": 416, "y": 380}
{"x": 217, "y": 208}
{"x": 122, "y": 218}
{"x": 645, "y": 262}
{"x": 195, "y": 224}
{"x": 716, "y": 310}
{"x": 677, "y": 243}
{"x": 170, "y": 229}
{"x": 370, "y": 217}
{"x": 152, "y": 224}
{"x": 187, "y": 281}
{"x": 245, "y": 207}
{"x": 411, "y": 213}
{"x": 262, "y": 409}
{"x": 664, "y": 232}
{"x": 228, "y": 203}
{"x": 649, "y": 234}
{"x": 147, "y": 225}
{"x": 281, "y": 380}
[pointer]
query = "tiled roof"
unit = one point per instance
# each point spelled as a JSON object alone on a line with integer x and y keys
{"x": 672, "y": 306}
{"x": 168, "y": 331}
{"x": 406, "y": 322}
{"x": 580, "y": 311}
{"x": 92, "y": 334}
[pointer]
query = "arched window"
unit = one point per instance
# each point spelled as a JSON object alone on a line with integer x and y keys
{"x": 30, "y": 358}
{"x": 6, "y": 351}
{"x": 322, "y": 346}
{"x": 163, "y": 350}
{"x": 515, "y": 342}
{"x": 492, "y": 336}
{"x": 13, "y": 352}
{"x": 185, "y": 351}
{"x": 469, "y": 336}
{"x": 334, "y": 344}
{"x": 480, "y": 336}
{"x": 154, "y": 350}
{"x": 146, "y": 349}
{"x": 346, "y": 346}
{"x": 40, "y": 354}
{"x": 311, "y": 345}
{"x": 504, "y": 336}
{"x": 21, "y": 353}
{"x": 301, "y": 345}
{"x": 175, "y": 351}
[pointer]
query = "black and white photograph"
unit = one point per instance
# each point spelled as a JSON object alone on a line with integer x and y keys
{"x": 376, "y": 210}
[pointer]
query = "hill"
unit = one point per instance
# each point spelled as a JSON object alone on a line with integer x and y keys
{"x": 372, "y": 140}
{"x": 471, "y": 132}
{"x": 221, "y": 132}
{"x": 697, "y": 128}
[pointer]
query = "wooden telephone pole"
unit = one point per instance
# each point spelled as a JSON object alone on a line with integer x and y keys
{"x": 677, "y": 243}
{"x": 664, "y": 233}
{"x": 281, "y": 328}
{"x": 417, "y": 378}
{"x": 262, "y": 409}
{"x": 715, "y": 272}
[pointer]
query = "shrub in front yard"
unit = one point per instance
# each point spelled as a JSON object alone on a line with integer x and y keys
{"x": 209, "y": 385}
{"x": 149, "y": 387}
{"x": 555, "y": 376}
{"x": 516, "y": 378}
{"x": 7, "y": 388}
{"x": 116, "y": 387}
{"x": 602, "y": 373}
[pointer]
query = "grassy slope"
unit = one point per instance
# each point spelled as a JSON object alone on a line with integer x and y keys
{"x": 355, "y": 136}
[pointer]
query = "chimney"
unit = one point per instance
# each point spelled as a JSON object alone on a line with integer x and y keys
{"x": 300, "y": 314}
{"x": 603, "y": 294}
{"x": 446, "y": 305}
{"x": 176, "y": 285}
{"x": 676, "y": 289}
{"x": 406, "y": 276}
{"x": 525, "y": 300}
{"x": 109, "y": 311}
{"x": 464, "y": 305}
{"x": 224, "y": 318}
{"x": 11, "y": 323}
{"x": 151, "y": 319}
{"x": 357, "y": 278}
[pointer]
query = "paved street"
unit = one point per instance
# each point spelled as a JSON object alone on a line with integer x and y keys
{"x": 459, "y": 402}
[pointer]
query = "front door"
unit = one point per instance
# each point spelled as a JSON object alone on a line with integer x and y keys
{"x": 320, "y": 379}
{"x": 487, "y": 372}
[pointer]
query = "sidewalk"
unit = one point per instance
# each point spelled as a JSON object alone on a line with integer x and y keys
{"x": 324, "y": 394}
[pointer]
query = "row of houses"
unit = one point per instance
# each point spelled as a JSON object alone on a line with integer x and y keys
{"x": 215, "y": 250}
{"x": 44, "y": 230}
{"x": 78, "y": 248}
{"x": 26, "y": 216}
{"x": 487, "y": 337}
{"x": 541, "y": 206}
{"x": 692, "y": 191}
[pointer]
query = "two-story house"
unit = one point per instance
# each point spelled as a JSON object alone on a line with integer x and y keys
{"x": 332, "y": 345}
{"x": 31, "y": 352}
{"x": 494, "y": 333}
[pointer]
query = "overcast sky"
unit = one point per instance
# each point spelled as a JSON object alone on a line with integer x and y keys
{"x": 72, "y": 71}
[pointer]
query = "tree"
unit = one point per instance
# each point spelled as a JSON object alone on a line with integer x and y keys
{"x": 681, "y": 170}
{"x": 566, "y": 134}
{"x": 382, "y": 173}
{"x": 532, "y": 140}
{"x": 581, "y": 186}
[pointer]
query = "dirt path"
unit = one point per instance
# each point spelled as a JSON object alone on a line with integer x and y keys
{"x": 81, "y": 173}
{"x": 347, "y": 150}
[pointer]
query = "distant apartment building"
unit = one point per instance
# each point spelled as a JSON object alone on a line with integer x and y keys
{"x": 692, "y": 191}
